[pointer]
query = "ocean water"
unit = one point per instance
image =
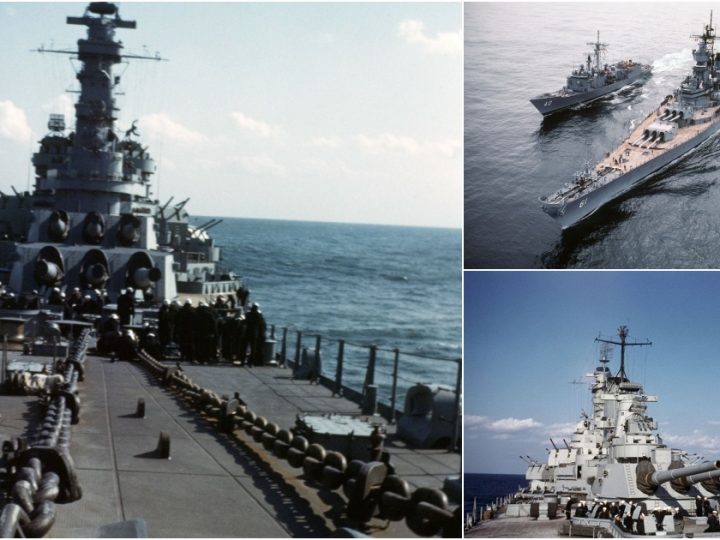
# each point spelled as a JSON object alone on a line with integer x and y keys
{"x": 515, "y": 51}
{"x": 390, "y": 286}
{"x": 488, "y": 487}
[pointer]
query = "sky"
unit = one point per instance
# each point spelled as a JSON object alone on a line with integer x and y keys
{"x": 307, "y": 111}
{"x": 529, "y": 339}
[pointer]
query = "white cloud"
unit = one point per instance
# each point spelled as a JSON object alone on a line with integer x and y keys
{"x": 696, "y": 440}
{"x": 566, "y": 428}
{"x": 161, "y": 126}
{"x": 512, "y": 424}
{"x": 471, "y": 420}
{"x": 13, "y": 122}
{"x": 388, "y": 142}
{"x": 413, "y": 32}
{"x": 326, "y": 142}
{"x": 64, "y": 105}
{"x": 260, "y": 165}
{"x": 503, "y": 425}
{"x": 257, "y": 127}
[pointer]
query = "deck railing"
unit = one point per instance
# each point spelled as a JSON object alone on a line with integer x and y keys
{"x": 356, "y": 370}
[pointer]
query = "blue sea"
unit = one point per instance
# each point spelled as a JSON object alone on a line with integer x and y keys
{"x": 488, "y": 487}
{"x": 390, "y": 286}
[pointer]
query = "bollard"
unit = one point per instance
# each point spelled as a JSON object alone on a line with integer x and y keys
{"x": 163, "y": 447}
{"x": 370, "y": 400}
{"x": 140, "y": 411}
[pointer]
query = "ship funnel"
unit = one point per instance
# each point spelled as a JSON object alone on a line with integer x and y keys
{"x": 58, "y": 225}
{"x": 93, "y": 227}
{"x": 141, "y": 272}
{"x": 128, "y": 230}
{"x": 94, "y": 270}
{"x": 49, "y": 267}
{"x": 647, "y": 478}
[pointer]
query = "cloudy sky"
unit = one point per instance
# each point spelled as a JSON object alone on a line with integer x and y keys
{"x": 529, "y": 341}
{"x": 329, "y": 112}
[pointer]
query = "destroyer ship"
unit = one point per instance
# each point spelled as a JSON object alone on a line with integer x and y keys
{"x": 106, "y": 434}
{"x": 591, "y": 81}
{"x": 684, "y": 120}
{"x": 615, "y": 462}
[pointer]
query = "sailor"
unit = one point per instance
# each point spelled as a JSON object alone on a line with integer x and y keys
{"x": 659, "y": 514}
{"x": 204, "y": 331}
{"x": 255, "y": 330}
{"x": 164, "y": 330}
{"x": 698, "y": 506}
{"x": 614, "y": 509}
{"x": 604, "y": 512}
{"x": 578, "y": 509}
{"x": 707, "y": 510}
{"x": 628, "y": 522}
{"x": 568, "y": 507}
{"x": 713, "y": 522}
{"x": 184, "y": 325}
{"x": 55, "y": 298}
{"x": 641, "y": 524}
{"x": 127, "y": 346}
{"x": 230, "y": 336}
{"x": 621, "y": 508}
{"x": 126, "y": 306}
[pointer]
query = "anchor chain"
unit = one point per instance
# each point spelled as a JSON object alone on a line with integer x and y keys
{"x": 371, "y": 488}
{"x": 44, "y": 472}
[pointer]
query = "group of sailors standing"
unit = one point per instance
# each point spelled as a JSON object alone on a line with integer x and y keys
{"x": 208, "y": 333}
{"x": 621, "y": 513}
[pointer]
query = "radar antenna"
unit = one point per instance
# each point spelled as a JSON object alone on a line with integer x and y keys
{"x": 622, "y": 334}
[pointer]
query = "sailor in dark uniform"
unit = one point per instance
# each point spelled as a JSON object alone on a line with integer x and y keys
{"x": 641, "y": 524}
{"x": 698, "y": 506}
{"x": 628, "y": 522}
{"x": 126, "y": 306}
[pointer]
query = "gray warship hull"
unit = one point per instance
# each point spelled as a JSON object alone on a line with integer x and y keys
{"x": 548, "y": 104}
{"x": 572, "y": 213}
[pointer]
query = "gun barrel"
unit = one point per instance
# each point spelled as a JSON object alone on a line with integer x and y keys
{"x": 660, "y": 477}
{"x": 702, "y": 477}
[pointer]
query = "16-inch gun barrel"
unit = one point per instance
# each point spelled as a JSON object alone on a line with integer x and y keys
{"x": 648, "y": 479}
{"x": 660, "y": 477}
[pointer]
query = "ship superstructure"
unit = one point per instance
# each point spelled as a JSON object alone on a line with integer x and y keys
{"x": 591, "y": 81}
{"x": 615, "y": 452}
{"x": 92, "y": 221}
{"x": 684, "y": 119}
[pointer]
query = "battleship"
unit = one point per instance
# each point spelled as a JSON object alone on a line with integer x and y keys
{"x": 684, "y": 120}
{"x": 107, "y": 433}
{"x": 591, "y": 81}
{"x": 615, "y": 463}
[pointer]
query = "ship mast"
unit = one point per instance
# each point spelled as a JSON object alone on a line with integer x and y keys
{"x": 598, "y": 48}
{"x": 622, "y": 334}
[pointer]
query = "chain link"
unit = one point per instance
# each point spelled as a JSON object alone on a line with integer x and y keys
{"x": 44, "y": 470}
